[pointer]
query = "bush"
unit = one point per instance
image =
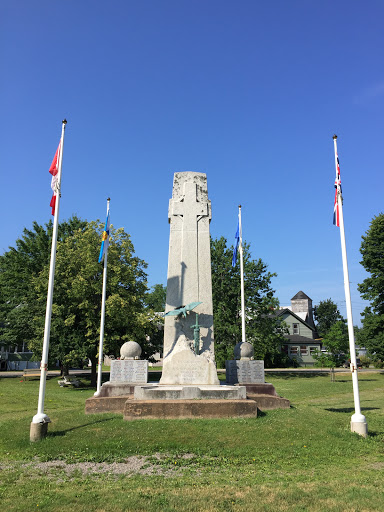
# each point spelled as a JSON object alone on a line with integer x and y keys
{"x": 379, "y": 364}
{"x": 324, "y": 361}
{"x": 277, "y": 360}
{"x": 365, "y": 361}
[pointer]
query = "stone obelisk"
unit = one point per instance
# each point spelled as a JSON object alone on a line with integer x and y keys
{"x": 189, "y": 280}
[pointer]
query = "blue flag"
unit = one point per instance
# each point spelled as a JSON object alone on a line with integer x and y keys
{"x": 104, "y": 240}
{"x": 237, "y": 236}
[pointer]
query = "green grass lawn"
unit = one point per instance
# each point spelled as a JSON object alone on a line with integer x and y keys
{"x": 301, "y": 459}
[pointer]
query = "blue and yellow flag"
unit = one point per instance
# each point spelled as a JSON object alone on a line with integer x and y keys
{"x": 104, "y": 240}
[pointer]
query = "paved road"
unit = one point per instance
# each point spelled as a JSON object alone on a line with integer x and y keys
{"x": 78, "y": 371}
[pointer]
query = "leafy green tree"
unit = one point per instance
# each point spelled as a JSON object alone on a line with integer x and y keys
{"x": 336, "y": 341}
{"x": 263, "y": 329}
{"x": 18, "y": 266}
{"x": 326, "y": 315}
{"x": 155, "y": 306}
{"x": 76, "y": 306}
{"x": 372, "y": 288}
{"x": 155, "y": 299}
{"x": 323, "y": 360}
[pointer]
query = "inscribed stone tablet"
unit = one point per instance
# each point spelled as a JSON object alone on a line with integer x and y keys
{"x": 129, "y": 370}
{"x": 244, "y": 372}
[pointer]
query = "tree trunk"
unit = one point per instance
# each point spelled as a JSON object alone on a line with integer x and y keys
{"x": 93, "y": 371}
{"x": 64, "y": 369}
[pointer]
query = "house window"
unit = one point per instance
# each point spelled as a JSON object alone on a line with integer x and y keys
{"x": 313, "y": 350}
{"x": 294, "y": 351}
{"x": 304, "y": 350}
{"x": 296, "y": 328}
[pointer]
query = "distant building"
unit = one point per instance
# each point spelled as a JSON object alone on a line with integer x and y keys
{"x": 302, "y": 341}
{"x": 16, "y": 358}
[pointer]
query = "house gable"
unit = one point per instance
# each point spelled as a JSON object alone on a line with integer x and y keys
{"x": 296, "y": 325}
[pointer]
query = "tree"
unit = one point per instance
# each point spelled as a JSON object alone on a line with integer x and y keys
{"x": 76, "y": 306}
{"x": 326, "y": 315}
{"x": 372, "y": 288}
{"x": 336, "y": 341}
{"x": 18, "y": 266}
{"x": 155, "y": 299}
{"x": 263, "y": 329}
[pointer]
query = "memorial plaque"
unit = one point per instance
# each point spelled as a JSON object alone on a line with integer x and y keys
{"x": 244, "y": 372}
{"x": 129, "y": 370}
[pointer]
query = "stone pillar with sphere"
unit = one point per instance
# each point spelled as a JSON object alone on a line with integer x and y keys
{"x": 126, "y": 372}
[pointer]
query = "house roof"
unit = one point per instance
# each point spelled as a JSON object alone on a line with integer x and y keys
{"x": 301, "y": 314}
{"x": 296, "y": 338}
{"x": 286, "y": 310}
{"x": 300, "y": 295}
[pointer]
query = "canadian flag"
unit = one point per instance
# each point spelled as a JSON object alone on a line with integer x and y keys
{"x": 54, "y": 170}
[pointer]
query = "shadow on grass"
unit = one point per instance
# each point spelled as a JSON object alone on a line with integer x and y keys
{"x": 61, "y": 433}
{"x": 349, "y": 380}
{"x": 375, "y": 433}
{"x": 350, "y": 409}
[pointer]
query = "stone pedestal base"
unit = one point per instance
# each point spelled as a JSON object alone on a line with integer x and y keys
{"x": 159, "y": 392}
{"x": 99, "y": 405}
{"x": 359, "y": 425}
{"x": 116, "y": 389}
{"x": 38, "y": 431}
{"x": 243, "y": 400}
{"x": 266, "y": 397}
{"x": 183, "y": 409}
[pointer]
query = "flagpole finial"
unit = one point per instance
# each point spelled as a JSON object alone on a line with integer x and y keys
{"x": 108, "y": 198}
{"x": 334, "y": 137}
{"x": 239, "y": 205}
{"x": 64, "y": 121}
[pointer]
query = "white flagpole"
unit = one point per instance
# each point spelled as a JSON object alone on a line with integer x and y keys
{"x": 358, "y": 421}
{"x": 41, "y": 417}
{"x": 102, "y": 322}
{"x": 242, "y": 278}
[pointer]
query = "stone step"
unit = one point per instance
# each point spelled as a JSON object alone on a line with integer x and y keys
{"x": 185, "y": 392}
{"x": 269, "y": 402}
{"x": 98, "y": 405}
{"x": 183, "y": 409}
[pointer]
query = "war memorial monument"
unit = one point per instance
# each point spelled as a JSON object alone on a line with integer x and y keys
{"x": 189, "y": 386}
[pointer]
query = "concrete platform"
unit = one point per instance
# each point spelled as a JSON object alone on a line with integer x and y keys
{"x": 183, "y": 409}
{"x": 266, "y": 397}
{"x": 156, "y": 401}
{"x": 117, "y": 389}
{"x": 260, "y": 389}
{"x": 99, "y": 405}
{"x": 191, "y": 392}
{"x": 269, "y": 402}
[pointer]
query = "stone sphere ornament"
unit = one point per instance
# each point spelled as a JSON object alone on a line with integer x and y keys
{"x": 130, "y": 350}
{"x": 244, "y": 350}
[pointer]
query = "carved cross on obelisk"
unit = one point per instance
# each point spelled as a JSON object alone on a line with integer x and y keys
{"x": 189, "y": 278}
{"x": 191, "y": 212}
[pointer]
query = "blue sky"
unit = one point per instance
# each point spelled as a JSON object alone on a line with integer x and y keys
{"x": 248, "y": 92}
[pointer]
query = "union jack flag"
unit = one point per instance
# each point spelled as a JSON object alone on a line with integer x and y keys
{"x": 336, "y": 217}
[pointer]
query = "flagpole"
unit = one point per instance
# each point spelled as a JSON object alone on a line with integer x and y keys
{"x": 39, "y": 425}
{"x": 241, "y": 278}
{"x": 102, "y": 321}
{"x": 358, "y": 421}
